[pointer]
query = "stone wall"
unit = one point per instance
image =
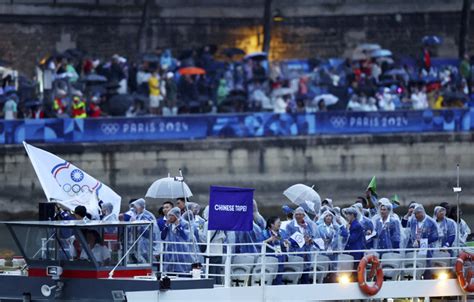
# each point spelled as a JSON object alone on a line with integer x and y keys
{"x": 416, "y": 167}
{"x": 310, "y": 28}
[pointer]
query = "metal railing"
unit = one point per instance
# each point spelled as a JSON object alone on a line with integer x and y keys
{"x": 263, "y": 267}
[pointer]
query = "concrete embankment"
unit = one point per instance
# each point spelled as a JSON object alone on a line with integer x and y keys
{"x": 418, "y": 167}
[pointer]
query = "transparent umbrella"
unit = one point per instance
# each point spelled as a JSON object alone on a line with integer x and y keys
{"x": 169, "y": 187}
{"x": 305, "y": 197}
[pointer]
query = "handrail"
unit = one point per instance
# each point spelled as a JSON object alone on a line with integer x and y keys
{"x": 111, "y": 273}
{"x": 407, "y": 266}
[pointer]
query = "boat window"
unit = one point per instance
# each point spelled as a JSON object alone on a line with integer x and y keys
{"x": 107, "y": 245}
{"x": 139, "y": 242}
{"x": 44, "y": 243}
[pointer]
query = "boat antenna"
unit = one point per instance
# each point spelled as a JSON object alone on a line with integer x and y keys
{"x": 458, "y": 191}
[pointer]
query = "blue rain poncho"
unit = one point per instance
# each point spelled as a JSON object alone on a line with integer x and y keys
{"x": 244, "y": 238}
{"x": 365, "y": 222}
{"x": 464, "y": 231}
{"x": 389, "y": 230}
{"x": 107, "y": 209}
{"x": 177, "y": 240}
{"x": 308, "y": 230}
{"x": 331, "y": 233}
{"x": 278, "y": 246}
{"x": 190, "y": 220}
{"x": 188, "y": 216}
{"x": 424, "y": 229}
{"x": 356, "y": 235}
{"x": 257, "y": 217}
{"x": 446, "y": 229}
{"x": 146, "y": 215}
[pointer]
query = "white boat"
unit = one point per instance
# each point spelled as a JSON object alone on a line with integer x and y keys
{"x": 61, "y": 263}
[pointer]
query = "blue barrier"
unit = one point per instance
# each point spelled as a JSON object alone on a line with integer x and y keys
{"x": 194, "y": 127}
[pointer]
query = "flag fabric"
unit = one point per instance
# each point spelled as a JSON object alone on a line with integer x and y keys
{"x": 395, "y": 201}
{"x": 67, "y": 184}
{"x": 230, "y": 209}
{"x": 373, "y": 185}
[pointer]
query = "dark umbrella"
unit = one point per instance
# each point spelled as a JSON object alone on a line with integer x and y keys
{"x": 119, "y": 104}
{"x": 258, "y": 56}
{"x": 74, "y": 52}
{"x": 431, "y": 40}
{"x": 92, "y": 79}
{"x": 233, "y": 51}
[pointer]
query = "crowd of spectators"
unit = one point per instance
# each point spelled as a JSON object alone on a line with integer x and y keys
{"x": 209, "y": 80}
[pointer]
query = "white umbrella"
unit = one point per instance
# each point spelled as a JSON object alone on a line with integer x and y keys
{"x": 329, "y": 99}
{"x": 305, "y": 197}
{"x": 169, "y": 187}
{"x": 368, "y": 47}
{"x": 361, "y": 51}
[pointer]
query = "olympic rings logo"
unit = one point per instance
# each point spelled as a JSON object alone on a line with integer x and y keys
{"x": 338, "y": 121}
{"x": 75, "y": 189}
{"x": 109, "y": 128}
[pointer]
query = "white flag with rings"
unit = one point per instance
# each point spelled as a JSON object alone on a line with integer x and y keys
{"x": 68, "y": 185}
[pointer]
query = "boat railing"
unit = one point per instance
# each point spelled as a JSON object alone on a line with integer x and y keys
{"x": 254, "y": 264}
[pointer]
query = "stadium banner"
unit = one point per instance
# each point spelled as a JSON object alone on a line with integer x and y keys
{"x": 262, "y": 124}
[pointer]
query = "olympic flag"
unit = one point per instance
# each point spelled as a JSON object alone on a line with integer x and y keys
{"x": 68, "y": 185}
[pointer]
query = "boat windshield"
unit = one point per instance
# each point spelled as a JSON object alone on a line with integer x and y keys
{"x": 89, "y": 245}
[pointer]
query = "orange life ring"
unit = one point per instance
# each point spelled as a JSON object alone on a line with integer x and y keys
{"x": 375, "y": 270}
{"x": 464, "y": 282}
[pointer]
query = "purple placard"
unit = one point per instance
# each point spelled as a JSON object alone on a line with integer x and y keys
{"x": 230, "y": 209}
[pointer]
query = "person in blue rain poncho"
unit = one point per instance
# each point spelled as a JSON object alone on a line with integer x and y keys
{"x": 142, "y": 214}
{"x": 446, "y": 228}
{"x": 464, "y": 229}
{"x": 188, "y": 217}
{"x": 387, "y": 227}
{"x": 244, "y": 238}
{"x": 108, "y": 214}
{"x": 176, "y": 236}
{"x": 331, "y": 230}
{"x": 195, "y": 209}
{"x": 423, "y": 229}
{"x": 306, "y": 229}
{"x": 356, "y": 236}
{"x": 277, "y": 239}
{"x": 257, "y": 217}
{"x": 365, "y": 222}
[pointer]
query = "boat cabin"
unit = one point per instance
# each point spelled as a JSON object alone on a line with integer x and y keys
{"x": 92, "y": 249}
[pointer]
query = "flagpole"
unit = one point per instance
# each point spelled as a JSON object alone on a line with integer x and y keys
{"x": 457, "y": 190}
